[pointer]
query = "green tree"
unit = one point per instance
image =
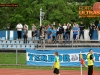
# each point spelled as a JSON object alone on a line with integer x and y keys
{"x": 28, "y": 11}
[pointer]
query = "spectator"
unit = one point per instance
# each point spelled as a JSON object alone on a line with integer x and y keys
{"x": 61, "y": 31}
{"x": 19, "y": 28}
{"x": 68, "y": 24}
{"x": 34, "y": 35}
{"x": 65, "y": 27}
{"x": 75, "y": 32}
{"x": 81, "y": 32}
{"x": 98, "y": 26}
{"x": 40, "y": 29}
{"x": 49, "y": 31}
{"x": 74, "y": 24}
{"x": 68, "y": 33}
{"x": 54, "y": 31}
{"x": 25, "y": 33}
{"x": 33, "y": 29}
{"x": 42, "y": 37}
{"x": 57, "y": 33}
{"x": 91, "y": 30}
{"x": 54, "y": 24}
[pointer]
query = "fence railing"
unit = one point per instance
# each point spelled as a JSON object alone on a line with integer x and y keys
{"x": 12, "y": 34}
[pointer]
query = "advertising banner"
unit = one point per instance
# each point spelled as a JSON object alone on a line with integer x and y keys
{"x": 68, "y": 57}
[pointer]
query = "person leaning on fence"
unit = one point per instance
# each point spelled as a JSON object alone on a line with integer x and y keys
{"x": 25, "y": 33}
{"x": 75, "y": 32}
{"x": 68, "y": 24}
{"x": 54, "y": 24}
{"x": 19, "y": 28}
{"x": 91, "y": 30}
{"x": 33, "y": 29}
{"x": 40, "y": 29}
{"x": 54, "y": 32}
{"x": 61, "y": 32}
{"x": 81, "y": 32}
{"x": 49, "y": 32}
{"x": 98, "y": 26}
{"x": 68, "y": 30}
{"x": 34, "y": 34}
{"x": 64, "y": 35}
{"x": 90, "y": 62}
{"x": 42, "y": 37}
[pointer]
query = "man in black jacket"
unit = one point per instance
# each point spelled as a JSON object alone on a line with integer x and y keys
{"x": 61, "y": 31}
{"x": 82, "y": 27}
{"x": 91, "y": 30}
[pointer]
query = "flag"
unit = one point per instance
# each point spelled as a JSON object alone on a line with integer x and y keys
{"x": 82, "y": 60}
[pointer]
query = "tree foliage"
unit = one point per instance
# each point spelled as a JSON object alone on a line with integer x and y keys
{"x": 28, "y": 11}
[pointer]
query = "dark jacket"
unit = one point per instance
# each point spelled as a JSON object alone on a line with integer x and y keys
{"x": 82, "y": 27}
{"x": 61, "y": 30}
{"x": 91, "y": 29}
{"x": 68, "y": 30}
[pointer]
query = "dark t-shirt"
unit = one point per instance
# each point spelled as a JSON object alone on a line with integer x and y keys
{"x": 82, "y": 27}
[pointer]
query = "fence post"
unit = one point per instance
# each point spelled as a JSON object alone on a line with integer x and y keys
{"x": 72, "y": 39}
{"x": 16, "y": 53}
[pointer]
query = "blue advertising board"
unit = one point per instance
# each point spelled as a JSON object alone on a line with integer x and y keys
{"x": 69, "y": 57}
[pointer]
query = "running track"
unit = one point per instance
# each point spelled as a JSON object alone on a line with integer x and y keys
{"x": 7, "y": 71}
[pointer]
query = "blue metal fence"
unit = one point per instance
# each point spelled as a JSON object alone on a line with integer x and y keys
{"x": 8, "y": 34}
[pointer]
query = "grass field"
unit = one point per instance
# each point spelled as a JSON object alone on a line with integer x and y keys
{"x": 8, "y": 60}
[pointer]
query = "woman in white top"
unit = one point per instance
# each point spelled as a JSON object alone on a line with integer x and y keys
{"x": 19, "y": 28}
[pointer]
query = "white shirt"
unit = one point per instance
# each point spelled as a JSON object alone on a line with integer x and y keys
{"x": 19, "y": 27}
{"x": 65, "y": 27}
{"x": 58, "y": 29}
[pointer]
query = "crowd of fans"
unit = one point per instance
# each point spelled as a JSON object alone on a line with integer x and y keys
{"x": 51, "y": 34}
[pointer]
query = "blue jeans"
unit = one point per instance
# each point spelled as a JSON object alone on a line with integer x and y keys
{"x": 67, "y": 37}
